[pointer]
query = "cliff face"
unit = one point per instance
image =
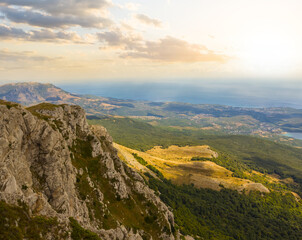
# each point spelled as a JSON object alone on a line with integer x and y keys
{"x": 52, "y": 162}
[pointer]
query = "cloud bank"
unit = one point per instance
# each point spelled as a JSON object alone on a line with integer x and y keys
{"x": 68, "y": 21}
{"x": 168, "y": 49}
{"x": 43, "y": 35}
{"x": 57, "y": 13}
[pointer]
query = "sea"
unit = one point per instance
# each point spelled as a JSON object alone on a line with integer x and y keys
{"x": 245, "y": 93}
{"x": 296, "y": 135}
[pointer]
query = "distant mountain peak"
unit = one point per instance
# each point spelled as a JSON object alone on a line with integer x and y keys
{"x": 29, "y": 84}
{"x": 29, "y": 93}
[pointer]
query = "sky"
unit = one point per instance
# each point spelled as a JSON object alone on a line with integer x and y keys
{"x": 95, "y": 40}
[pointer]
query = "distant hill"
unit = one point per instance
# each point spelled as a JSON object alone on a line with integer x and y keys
{"x": 32, "y": 93}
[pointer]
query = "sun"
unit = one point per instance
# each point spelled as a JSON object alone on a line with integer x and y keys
{"x": 269, "y": 53}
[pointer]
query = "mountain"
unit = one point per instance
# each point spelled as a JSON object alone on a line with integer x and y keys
{"x": 32, "y": 93}
{"x": 62, "y": 179}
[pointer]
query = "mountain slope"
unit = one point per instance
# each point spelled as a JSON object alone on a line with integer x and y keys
{"x": 176, "y": 164}
{"x": 54, "y": 168}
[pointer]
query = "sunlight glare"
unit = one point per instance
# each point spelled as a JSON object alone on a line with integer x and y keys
{"x": 268, "y": 53}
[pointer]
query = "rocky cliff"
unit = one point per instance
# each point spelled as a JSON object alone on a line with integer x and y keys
{"x": 54, "y": 166}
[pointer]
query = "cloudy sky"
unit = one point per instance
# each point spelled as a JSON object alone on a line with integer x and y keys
{"x": 76, "y": 40}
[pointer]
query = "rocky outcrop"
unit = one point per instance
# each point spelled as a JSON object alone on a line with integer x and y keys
{"x": 51, "y": 160}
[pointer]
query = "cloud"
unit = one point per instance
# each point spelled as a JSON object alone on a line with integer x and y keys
{"x": 168, "y": 49}
{"x": 43, "y": 35}
{"x": 147, "y": 20}
{"x": 51, "y": 19}
{"x": 116, "y": 39}
{"x": 7, "y": 32}
{"x": 39, "y": 19}
{"x": 61, "y": 7}
{"x": 48, "y": 35}
{"x": 14, "y": 56}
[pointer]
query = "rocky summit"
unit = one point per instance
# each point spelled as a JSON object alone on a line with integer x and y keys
{"x": 62, "y": 179}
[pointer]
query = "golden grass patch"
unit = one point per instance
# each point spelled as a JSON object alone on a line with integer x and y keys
{"x": 175, "y": 164}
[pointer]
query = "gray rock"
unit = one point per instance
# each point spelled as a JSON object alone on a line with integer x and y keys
{"x": 36, "y": 167}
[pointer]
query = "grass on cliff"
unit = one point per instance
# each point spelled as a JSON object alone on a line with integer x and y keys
{"x": 43, "y": 106}
{"x": 54, "y": 123}
{"x": 9, "y": 105}
{"x": 16, "y": 224}
{"x": 135, "y": 212}
{"x": 80, "y": 233}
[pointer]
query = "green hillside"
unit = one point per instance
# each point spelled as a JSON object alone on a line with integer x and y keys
{"x": 226, "y": 214}
{"x": 256, "y": 153}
